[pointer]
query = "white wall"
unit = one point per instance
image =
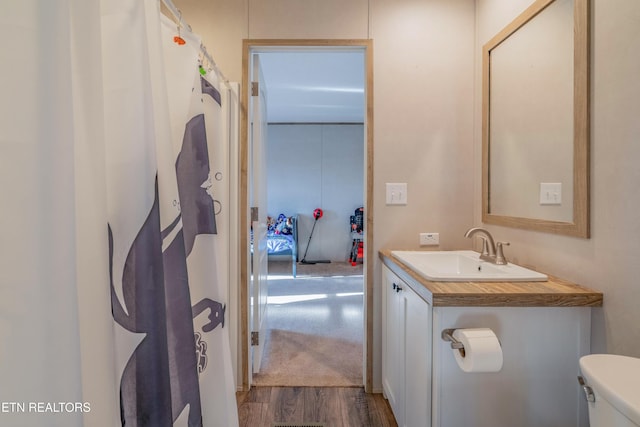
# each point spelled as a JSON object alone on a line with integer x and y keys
{"x": 423, "y": 52}
{"x": 313, "y": 166}
{"x": 608, "y": 261}
{"x": 427, "y": 130}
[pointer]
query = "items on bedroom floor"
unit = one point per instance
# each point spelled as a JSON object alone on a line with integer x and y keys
{"x": 317, "y": 214}
{"x": 357, "y": 236}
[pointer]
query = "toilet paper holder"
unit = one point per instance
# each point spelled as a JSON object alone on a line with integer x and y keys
{"x": 447, "y": 335}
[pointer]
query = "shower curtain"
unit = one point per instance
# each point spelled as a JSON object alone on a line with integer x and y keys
{"x": 112, "y": 310}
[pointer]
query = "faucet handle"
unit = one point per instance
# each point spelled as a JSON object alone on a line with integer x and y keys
{"x": 500, "y": 259}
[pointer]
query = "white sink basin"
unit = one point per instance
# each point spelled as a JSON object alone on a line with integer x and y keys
{"x": 463, "y": 266}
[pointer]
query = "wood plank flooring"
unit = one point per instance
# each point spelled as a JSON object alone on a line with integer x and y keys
{"x": 333, "y": 406}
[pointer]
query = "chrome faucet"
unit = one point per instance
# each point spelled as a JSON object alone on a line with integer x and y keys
{"x": 491, "y": 252}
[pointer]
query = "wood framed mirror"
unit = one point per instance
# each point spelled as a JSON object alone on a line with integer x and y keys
{"x": 535, "y": 120}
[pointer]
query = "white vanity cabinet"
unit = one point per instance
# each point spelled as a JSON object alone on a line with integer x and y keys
{"x": 406, "y": 370}
{"x": 541, "y": 347}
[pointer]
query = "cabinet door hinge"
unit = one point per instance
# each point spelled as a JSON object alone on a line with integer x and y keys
{"x": 254, "y": 88}
{"x": 255, "y": 338}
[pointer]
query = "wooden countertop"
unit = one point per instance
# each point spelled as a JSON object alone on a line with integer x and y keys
{"x": 552, "y": 293}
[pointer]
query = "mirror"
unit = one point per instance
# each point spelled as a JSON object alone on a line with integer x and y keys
{"x": 535, "y": 120}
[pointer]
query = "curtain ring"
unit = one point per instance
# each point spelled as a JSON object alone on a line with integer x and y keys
{"x": 219, "y": 210}
{"x": 178, "y": 39}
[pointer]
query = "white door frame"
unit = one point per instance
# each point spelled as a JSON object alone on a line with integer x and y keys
{"x": 248, "y": 46}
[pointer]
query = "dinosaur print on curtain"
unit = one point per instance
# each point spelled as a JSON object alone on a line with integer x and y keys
{"x": 165, "y": 299}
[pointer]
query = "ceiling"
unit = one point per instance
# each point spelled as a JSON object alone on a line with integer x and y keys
{"x": 314, "y": 86}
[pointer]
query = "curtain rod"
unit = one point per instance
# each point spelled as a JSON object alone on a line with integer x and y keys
{"x": 177, "y": 15}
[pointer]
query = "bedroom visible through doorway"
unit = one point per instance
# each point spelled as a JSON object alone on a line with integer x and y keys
{"x": 315, "y": 157}
{"x": 314, "y": 172}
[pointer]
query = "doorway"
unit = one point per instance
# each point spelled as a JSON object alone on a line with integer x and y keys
{"x": 249, "y": 48}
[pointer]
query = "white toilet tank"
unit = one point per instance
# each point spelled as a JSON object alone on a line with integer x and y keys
{"x": 615, "y": 384}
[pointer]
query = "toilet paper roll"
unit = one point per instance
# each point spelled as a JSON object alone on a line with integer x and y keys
{"x": 482, "y": 351}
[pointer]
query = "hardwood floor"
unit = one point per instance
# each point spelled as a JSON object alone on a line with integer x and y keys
{"x": 333, "y": 406}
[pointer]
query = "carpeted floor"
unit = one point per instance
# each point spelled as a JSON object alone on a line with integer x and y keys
{"x": 315, "y": 326}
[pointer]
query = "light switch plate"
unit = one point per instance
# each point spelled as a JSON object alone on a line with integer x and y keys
{"x": 550, "y": 193}
{"x": 396, "y": 193}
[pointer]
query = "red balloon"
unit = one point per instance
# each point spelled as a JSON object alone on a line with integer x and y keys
{"x": 317, "y": 213}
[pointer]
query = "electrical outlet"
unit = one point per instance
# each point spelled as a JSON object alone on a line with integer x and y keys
{"x": 429, "y": 239}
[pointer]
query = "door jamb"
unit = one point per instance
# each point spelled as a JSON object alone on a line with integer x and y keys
{"x": 247, "y": 46}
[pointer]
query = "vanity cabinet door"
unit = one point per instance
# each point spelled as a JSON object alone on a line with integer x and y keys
{"x": 393, "y": 344}
{"x": 417, "y": 357}
{"x": 406, "y": 358}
